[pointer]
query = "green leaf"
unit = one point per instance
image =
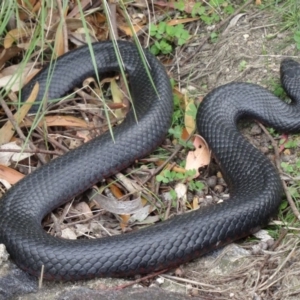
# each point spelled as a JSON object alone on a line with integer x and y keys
{"x": 153, "y": 29}
{"x": 192, "y": 111}
{"x": 154, "y": 50}
{"x": 170, "y": 30}
{"x": 162, "y": 27}
{"x": 165, "y": 47}
{"x": 229, "y": 9}
{"x": 206, "y": 19}
{"x": 297, "y": 36}
{"x": 179, "y": 5}
{"x": 283, "y": 205}
{"x": 173, "y": 194}
{"x": 198, "y": 9}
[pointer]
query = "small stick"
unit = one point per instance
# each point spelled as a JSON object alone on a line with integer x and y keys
{"x": 18, "y": 130}
{"x": 277, "y": 161}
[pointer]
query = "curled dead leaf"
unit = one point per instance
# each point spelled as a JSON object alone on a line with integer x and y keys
{"x": 198, "y": 158}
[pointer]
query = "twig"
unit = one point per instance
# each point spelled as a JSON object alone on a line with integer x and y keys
{"x": 31, "y": 151}
{"x": 277, "y": 161}
{"x": 123, "y": 286}
{"x": 18, "y": 130}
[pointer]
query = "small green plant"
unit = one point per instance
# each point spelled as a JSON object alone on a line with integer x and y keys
{"x": 209, "y": 12}
{"x": 292, "y": 144}
{"x": 292, "y": 169}
{"x": 297, "y": 39}
{"x": 242, "y": 65}
{"x": 168, "y": 176}
{"x": 195, "y": 185}
{"x": 176, "y": 131}
{"x": 166, "y": 36}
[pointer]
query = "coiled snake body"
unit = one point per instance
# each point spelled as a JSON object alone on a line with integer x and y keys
{"x": 256, "y": 188}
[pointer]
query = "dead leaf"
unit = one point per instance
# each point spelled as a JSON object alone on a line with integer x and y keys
{"x": 10, "y": 175}
{"x": 84, "y": 134}
{"x": 182, "y": 21}
{"x": 58, "y": 120}
{"x": 195, "y": 203}
{"x": 84, "y": 210}
{"x": 117, "y": 98}
{"x": 129, "y": 184}
{"x": 7, "y": 54}
{"x": 130, "y": 31}
{"x": 7, "y": 157}
{"x": 15, "y": 34}
{"x": 116, "y": 191}
{"x": 28, "y": 7}
{"x": 8, "y": 130}
{"x": 172, "y": 167}
{"x": 198, "y": 158}
{"x": 188, "y": 5}
{"x": 124, "y": 221}
{"x": 11, "y": 80}
{"x": 189, "y": 120}
{"x": 118, "y": 207}
{"x": 69, "y": 234}
{"x": 181, "y": 190}
{"x": 233, "y": 22}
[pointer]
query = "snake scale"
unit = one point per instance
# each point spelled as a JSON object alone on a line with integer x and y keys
{"x": 255, "y": 185}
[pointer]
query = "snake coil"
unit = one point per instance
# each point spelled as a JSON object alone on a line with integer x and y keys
{"x": 255, "y": 185}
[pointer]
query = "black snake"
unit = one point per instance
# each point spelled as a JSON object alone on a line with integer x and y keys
{"x": 256, "y": 188}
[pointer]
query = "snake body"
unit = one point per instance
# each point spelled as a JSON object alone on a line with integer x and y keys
{"x": 256, "y": 188}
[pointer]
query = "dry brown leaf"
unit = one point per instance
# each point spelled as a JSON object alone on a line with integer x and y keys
{"x": 60, "y": 38}
{"x": 10, "y": 75}
{"x": 189, "y": 121}
{"x": 171, "y": 167}
{"x": 115, "y": 190}
{"x": 59, "y": 45}
{"x": 198, "y": 158}
{"x": 58, "y": 120}
{"x": 28, "y": 7}
{"x": 182, "y": 21}
{"x": 10, "y": 175}
{"x": 7, "y": 54}
{"x": 124, "y": 221}
{"x": 15, "y": 34}
{"x": 117, "y": 98}
{"x": 8, "y": 130}
{"x": 7, "y": 157}
{"x": 84, "y": 134}
{"x": 84, "y": 210}
{"x": 195, "y": 203}
{"x": 184, "y": 134}
{"x": 188, "y": 5}
{"x": 128, "y": 30}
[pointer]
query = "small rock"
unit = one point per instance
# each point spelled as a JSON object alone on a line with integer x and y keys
{"x": 3, "y": 254}
{"x": 212, "y": 181}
